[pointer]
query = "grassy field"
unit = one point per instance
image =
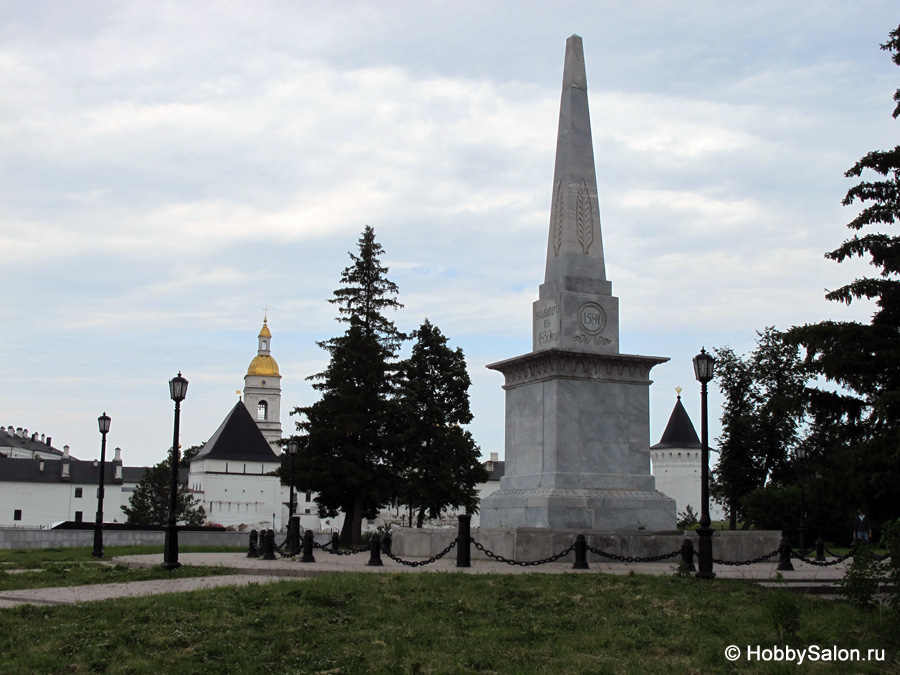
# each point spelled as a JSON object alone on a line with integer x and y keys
{"x": 53, "y": 567}
{"x": 441, "y": 623}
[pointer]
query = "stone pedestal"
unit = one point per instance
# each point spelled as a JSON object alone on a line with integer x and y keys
{"x": 577, "y": 445}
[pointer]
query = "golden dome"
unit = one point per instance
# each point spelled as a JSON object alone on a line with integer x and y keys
{"x": 263, "y": 365}
{"x": 265, "y": 330}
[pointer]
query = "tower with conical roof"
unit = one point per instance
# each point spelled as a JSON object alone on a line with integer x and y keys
{"x": 262, "y": 389}
{"x": 577, "y": 411}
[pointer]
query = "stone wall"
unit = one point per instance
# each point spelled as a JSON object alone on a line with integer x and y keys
{"x": 29, "y": 538}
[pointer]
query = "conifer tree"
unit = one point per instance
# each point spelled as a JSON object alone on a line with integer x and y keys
{"x": 441, "y": 461}
{"x": 149, "y": 503}
{"x": 858, "y": 425}
{"x": 347, "y": 437}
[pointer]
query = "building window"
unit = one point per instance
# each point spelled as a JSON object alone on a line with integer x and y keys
{"x": 264, "y": 345}
{"x": 79, "y": 516}
{"x": 309, "y": 496}
{"x": 78, "y": 492}
{"x": 17, "y": 514}
{"x": 262, "y": 410}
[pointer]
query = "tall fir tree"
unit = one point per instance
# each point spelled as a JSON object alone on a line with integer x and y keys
{"x": 440, "y": 460}
{"x": 858, "y": 424}
{"x": 348, "y": 440}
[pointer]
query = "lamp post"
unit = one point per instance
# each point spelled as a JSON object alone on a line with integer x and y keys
{"x": 800, "y": 452}
{"x": 177, "y": 390}
{"x": 703, "y": 370}
{"x": 292, "y": 451}
{"x": 103, "y": 422}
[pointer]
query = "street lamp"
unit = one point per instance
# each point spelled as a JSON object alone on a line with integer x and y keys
{"x": 800, "y": 453}
{"x": 292, "y": 451}
{"x": 703, "y": 371}
{"x": 177, "y": 390}
{"x": 103, "y": 422}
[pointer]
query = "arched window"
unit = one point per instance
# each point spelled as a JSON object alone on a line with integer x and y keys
{"x": 264, "y": 345}
{"x": 262, "y": 411}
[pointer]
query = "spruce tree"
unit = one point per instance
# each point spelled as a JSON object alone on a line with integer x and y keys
{"x": 149, "y": 504}
{"x": 858, "y": 424}
{"x": 441, "y": 461}
{"x": 347, "y": 437}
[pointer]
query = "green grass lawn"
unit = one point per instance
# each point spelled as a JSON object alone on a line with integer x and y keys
{"x": 52, "y": 567}
{"x": 439, "y": 623}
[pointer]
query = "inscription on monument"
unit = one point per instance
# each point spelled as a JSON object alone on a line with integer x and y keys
{"x": 546, "y": 322}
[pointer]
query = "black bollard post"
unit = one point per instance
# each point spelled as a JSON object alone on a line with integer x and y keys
{"x": 687, "y": 555}
{"x": 335, "y": 541}
{"x": 580, "y": 553}
{"x": 269, "y": 549}
{"x": 820, "y": 549}
{"x": 294, "y": 535}
{"x": 463, "y": 541}
{"x": 784, "y": 556}
{"x": 308, "y": 547}
{"x": 254, "y": 544}
{"x": 375, "y": 552}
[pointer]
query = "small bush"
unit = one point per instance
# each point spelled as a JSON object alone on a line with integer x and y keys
{"x": 860, "y": 583}
{"x": 784, "y": 609}
{"x": 687, "y": 519}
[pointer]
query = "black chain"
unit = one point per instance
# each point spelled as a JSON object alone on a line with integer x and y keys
{"x": 350, "y": 551}
{"x": 522, "y": 563}
{"x": 419, "y": 563}
{"x": 628, "y": 558}
{"x": 737, "y": 563}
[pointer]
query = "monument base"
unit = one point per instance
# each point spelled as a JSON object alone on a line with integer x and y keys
{"x": 593, "y": 509}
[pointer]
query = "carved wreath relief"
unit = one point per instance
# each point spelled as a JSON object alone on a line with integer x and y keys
{"x": 584, "y": 218}
{"x": 558, "y": 220}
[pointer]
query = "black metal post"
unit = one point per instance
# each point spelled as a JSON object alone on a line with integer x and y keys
{"x": 335, "y": 540}
{"x": 269, "y": 551}
{"x": 178, "y": 390}
{"x": 103, "y": 421}
{"x": 687, "y": 555}
{"x": 705, "y": 532}
{"x": 820, "y": 549}
{"x": 308, "y": 547}
{"x": 375, "y": 552}
{"x": 802, "y": 506}
{"x": 253, "y": 552}
{"x": 294, "y": 535}
{"x": 291, "y": 505}
{"x": 463, "y": 541}
{"x": 580, "y": 553}
{"x": 784, "y": 556}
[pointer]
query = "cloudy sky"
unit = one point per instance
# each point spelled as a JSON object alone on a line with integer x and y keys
{"x": 167, "y": 170}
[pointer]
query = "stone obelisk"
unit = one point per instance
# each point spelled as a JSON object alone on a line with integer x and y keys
{"x": 577, "y": 411}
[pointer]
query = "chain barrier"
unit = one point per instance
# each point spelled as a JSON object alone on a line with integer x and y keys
{"x": 419, "y": 563}
{"x": 350, "y": 551}
{"x": 737, "y": 563}
{"x": 628, "y": 558}
{"x": 521, "y": 563}
{"x": 838, "y": 558}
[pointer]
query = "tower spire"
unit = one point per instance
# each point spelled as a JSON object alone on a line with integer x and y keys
{"x": 575, "y": 245}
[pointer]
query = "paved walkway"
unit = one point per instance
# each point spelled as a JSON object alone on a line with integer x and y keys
{"x": 807, "y": 577}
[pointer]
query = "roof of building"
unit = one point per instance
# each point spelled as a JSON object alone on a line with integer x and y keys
{"x": 679, "y": 431}
{"x": 265, "y": 332}
{"x": 24, "y": 470}
{"x": 10, "y": 439}
{"x": 496, "y": 469}
{"x": 238, "y": 439}
{"x": 263, "y": 365}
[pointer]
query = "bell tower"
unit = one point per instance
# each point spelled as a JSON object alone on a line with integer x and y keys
{"x": 262, "y": 389}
